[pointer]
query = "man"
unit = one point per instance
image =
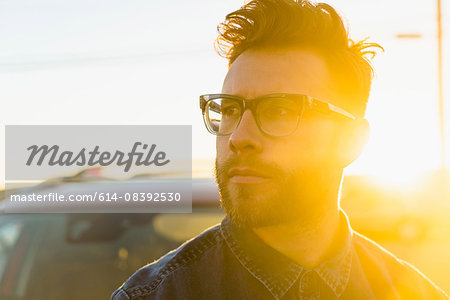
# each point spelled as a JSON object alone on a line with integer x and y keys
{"x": 288, "y": 121}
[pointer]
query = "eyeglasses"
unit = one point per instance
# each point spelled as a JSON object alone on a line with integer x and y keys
{"x": 275, "y": 114}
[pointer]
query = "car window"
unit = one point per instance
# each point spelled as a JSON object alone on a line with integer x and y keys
{"x": 9, "y": 234}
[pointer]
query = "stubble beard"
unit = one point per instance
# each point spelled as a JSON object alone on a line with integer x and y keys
{"x": 286, "y": 198}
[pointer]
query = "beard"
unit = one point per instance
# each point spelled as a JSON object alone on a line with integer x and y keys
{"x": 288, "y": 196}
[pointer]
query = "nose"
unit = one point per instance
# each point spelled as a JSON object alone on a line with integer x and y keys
{"x": 247, "y": 136}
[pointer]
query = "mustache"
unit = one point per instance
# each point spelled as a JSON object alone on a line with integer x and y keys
{"x": 221, "y": 169}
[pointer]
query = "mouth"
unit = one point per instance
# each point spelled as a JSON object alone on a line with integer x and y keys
{"x": 242, "y": 175}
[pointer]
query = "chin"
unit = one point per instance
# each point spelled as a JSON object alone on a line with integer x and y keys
{"x": 251, "y": 208}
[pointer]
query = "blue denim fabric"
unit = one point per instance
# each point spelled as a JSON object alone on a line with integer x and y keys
{"x": 227, "y": 262}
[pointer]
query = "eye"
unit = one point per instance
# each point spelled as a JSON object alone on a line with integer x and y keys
{"x": 278, "y": 111}
{"x": 230, "y": 110}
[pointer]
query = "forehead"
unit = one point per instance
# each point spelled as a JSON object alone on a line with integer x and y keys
{"x": 259, "y": 72}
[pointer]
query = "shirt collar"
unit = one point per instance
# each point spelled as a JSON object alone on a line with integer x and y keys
{"x": 276, "y": 271}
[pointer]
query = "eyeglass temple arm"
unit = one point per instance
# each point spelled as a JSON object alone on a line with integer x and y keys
{"x": 341, "y": 111}
{"x": 326, "y": 108}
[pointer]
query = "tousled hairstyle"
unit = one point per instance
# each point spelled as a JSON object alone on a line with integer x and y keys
{"x": 275, "y": 24}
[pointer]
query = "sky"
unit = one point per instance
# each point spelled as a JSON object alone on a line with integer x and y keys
{"x": 146, "y": 62}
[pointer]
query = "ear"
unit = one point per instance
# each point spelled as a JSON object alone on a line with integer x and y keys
{"x": 352, "y": 140}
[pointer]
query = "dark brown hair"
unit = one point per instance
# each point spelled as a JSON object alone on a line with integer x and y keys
{"x": 265, "y": 24}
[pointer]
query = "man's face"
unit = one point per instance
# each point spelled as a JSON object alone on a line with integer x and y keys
{"x": 267, "y": 180}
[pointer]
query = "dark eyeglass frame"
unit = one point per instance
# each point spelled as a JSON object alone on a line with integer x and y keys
{"x": 303, "y": 101}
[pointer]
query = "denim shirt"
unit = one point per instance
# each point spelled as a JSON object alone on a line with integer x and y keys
{"x": 228, "y": 262}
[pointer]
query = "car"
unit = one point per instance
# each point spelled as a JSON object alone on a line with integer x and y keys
{"x": 409, "y": 214}
{"x": 89, "y": 255}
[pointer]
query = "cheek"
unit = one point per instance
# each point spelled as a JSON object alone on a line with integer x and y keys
{"x": 289, "y": 154}
{"x": 311, "y": 144}
{"x": 222, "y": 147}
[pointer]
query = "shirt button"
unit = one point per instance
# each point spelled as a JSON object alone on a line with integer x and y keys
{"x": 309, "y": 285}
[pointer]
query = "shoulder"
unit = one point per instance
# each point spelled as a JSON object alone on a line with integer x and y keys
{"x": 146, "y": 280}
{"x": 405, "y": 280}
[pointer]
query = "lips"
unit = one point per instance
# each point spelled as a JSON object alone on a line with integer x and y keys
{"x": 244, "y": 175}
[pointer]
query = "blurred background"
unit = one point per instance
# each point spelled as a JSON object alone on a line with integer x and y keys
{"x": 146, "y": 62}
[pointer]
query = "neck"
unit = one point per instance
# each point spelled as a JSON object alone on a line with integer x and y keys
{"x": 307, "y": 239}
